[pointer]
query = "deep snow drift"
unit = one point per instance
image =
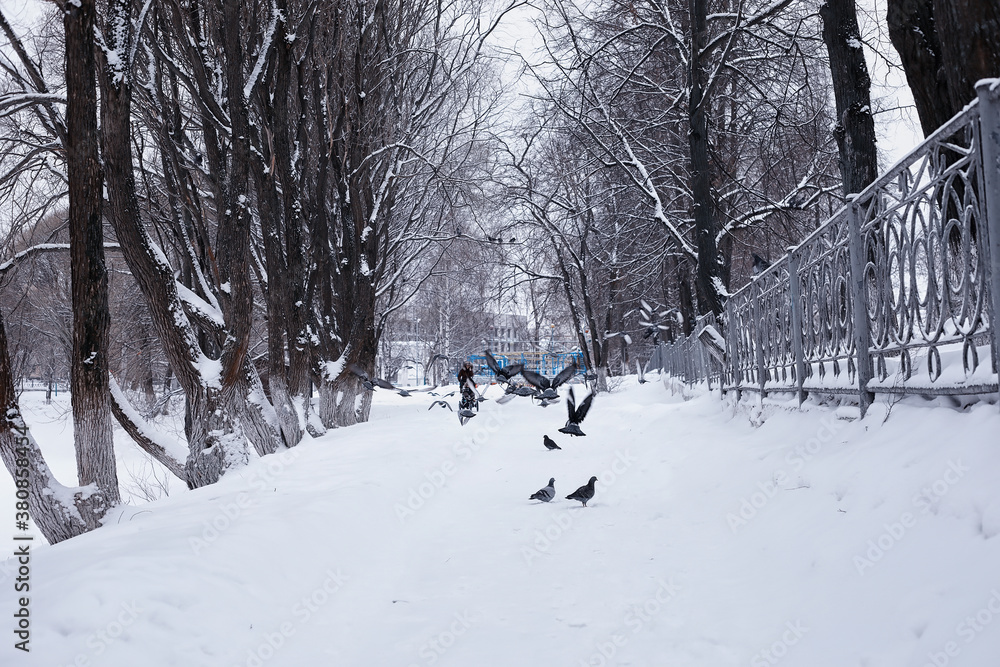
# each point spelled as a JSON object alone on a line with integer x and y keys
{"x": 713, "y": 540}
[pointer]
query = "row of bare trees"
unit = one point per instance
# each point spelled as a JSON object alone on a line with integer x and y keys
{"x": 280, "y": 178}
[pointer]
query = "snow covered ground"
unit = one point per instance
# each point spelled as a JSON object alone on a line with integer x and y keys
{"x": 714, "y": 539}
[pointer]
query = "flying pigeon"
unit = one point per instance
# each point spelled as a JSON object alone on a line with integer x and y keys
{"x": 546, "y": 388}
{"x": 503, "y": 374}
{"x": 638, "y": 370}
{"x": 548, "y": 493}
{"x": 549, "y": 443}
{"x": 584, "y": 493}
{"x": 479, "y": 397}
{"x": 443, "y": 404}
{"x": 368, "y": 382}
{"x": 576, "y": 414}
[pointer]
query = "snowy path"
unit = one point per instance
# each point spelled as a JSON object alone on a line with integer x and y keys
{"x": 411, "y": 541}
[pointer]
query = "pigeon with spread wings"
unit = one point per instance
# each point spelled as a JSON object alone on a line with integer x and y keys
{"x": 369, "y": 382}
{"x": 546, "y": 388}
{"x": 576, "y": 413}
{"x": 505, "y": 373}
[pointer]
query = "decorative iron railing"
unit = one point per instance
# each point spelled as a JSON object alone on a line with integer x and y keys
{"x": 907, "y": 273}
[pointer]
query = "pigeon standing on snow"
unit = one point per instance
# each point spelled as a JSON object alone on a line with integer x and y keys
{"x": 546, "y": 494}
{"x": 576, "y": 414}
{"x": 549, "y": 443}
{"x": 584, "y": 493}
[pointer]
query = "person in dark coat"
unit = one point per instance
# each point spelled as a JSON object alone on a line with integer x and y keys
{"x": 466, "y": 373}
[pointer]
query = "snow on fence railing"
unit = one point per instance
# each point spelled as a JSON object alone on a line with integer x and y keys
{"x": 908, "y": 271}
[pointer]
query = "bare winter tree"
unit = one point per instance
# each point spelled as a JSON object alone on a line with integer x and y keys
{"x": 648, "y": 85}
{"x": 59, "y": 514}
{"x": 92, "y": 432}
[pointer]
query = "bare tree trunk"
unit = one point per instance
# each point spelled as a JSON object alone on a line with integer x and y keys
{"x": 686, "y": 300}
{"x": 855, "y": 129}
{"x": 945, "y": 47}
{"x": 92, "y": 432}
{"x": 142, "y": 433}
{"x": 216, "y": 438}
{"x": 43, "y": 496}
{"x": 286, "y": 120}
{"x": 276, "y": 296}
{"x": 701, "y": 187}
{"x": 913, "y": 33}
{"x": 969, "y": 32}
{"x": 352, "y": 402}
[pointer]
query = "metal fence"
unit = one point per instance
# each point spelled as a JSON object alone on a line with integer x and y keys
{"x": 908, "y": 273}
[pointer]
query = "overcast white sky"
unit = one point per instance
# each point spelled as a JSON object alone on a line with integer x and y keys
{"x": 22, "y": 13}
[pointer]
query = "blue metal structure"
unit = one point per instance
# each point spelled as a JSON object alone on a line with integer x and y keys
{"x": 546, "y": 363}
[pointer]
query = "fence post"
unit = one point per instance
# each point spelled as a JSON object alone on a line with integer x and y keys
{"x": 862, "y": 335}
{"x": 795, "y": 296}
{"x": 755, "y": 292}
{"x": 989, "y": 137}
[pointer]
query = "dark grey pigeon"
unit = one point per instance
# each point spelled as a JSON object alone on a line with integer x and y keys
{"x": 369, "y": 382}
{"x": 546, "y": 494}
{"x": 504, "y": 374}
{"x": 546, "y": 388}
{"x": 443, "y": 404}
{"x": 584, "y": 493}
{"x": 576, "y": 414}
{"x": 549, "y": 443}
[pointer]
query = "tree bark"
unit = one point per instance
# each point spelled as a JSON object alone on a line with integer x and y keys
{"x": 703, "y": 202}
{"x": 855, "y": 129}
{"x": 969, "y": 33}
{"x": 912, "y": 31}
{"x": 92, "y": 431}
{"x": 945, "y": 46}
